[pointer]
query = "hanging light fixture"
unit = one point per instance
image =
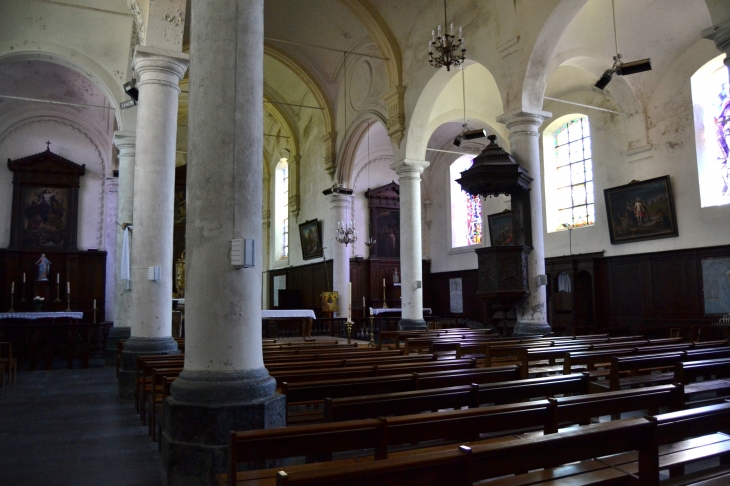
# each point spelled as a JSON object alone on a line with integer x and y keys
{"x": 345, "y": 232}
{"x": 370, "y": 242}
{"x": 446, "y": 46}
{"x": 619, "y": 67}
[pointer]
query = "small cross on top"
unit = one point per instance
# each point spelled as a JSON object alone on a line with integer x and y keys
{"x": 48, "y": 146}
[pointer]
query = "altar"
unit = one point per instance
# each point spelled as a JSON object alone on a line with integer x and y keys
{"x": 40, "y": 337}
{"x": 287, "y": 323}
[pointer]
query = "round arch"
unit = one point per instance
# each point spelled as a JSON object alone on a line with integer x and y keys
{"x": 356, "y": 132}
{"x": 83, "y": 65}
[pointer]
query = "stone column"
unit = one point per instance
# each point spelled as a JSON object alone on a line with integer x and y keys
{"x": 409, "y": 178}
{"x": 224, "y": 385}
{"x": 340, "y": 200}
{"x": 525, "y": 148}
{"x": 125, "y": 142}
{"x": 159, "y": 73}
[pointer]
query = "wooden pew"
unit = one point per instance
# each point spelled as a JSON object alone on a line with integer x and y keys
{"x": 465, "y": 465}
{"x": 300, "y": 375}
{"x": 404, "y": 403}
{"x": 319, "y": 390}
{"x": 459, "y": 425}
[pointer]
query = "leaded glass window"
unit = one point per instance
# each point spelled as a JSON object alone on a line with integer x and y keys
{"x": 466, "y": 210}
{"x": 574, "y": 174}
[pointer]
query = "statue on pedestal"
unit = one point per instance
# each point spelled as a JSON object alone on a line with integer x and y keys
{"x": 44, "y": 267}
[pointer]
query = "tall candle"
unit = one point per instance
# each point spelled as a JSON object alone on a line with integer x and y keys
{"x": 363, "y": 301}
{"x": 383, "y": 283}
{"x": 349, "y": 301}
{"x": 58, "y": 277}
{"x": 94, "y": 304}
{"x": 68, "y": 287}
{"x": 23, "y": 277}
{"x": 12, "y": 288}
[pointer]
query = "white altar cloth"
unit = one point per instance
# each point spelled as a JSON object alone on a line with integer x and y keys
{"x": 294, "y": 313}
{"x": 40, "y": 315}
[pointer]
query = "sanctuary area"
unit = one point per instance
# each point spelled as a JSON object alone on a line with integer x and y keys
{"x": 284, "y": 242}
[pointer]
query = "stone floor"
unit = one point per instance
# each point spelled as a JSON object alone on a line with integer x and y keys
{"x": 68, "y": 428}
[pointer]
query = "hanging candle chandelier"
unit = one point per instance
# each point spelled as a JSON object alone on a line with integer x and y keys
{"x": 446, "y": 46}
{"x": 345, "y": 232}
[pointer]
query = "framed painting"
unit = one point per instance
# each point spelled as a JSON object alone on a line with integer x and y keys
{"x": 44, "y": 218}
{"x": 310, "y": 234}
{"x": 500, "y": 228}
{"x": 641, "y": 210}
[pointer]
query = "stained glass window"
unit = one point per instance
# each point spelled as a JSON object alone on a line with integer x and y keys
{"x": 281, "y": 215}
{"x": 711, "y": 99}
{"x": 466, "y": 210}
{"x": 574, "y": 175}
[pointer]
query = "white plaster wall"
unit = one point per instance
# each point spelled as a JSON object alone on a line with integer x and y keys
{"x": 68, "y": 141}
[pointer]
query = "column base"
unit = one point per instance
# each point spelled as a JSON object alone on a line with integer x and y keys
{"x": 115, "y": 335}
{"x": 203, "y": 409}
{"x": 137, "y": 346}
{"x": 532, "y": 329}
{"x": 412, "y": 325}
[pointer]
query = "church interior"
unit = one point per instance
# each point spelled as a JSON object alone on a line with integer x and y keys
{"x": 282, "y": 243}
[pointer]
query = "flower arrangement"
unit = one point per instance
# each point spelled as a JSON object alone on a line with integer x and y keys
{"x": 38, "y": 300}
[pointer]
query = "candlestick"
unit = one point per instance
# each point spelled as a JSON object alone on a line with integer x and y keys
{"x": 12, "y": 288}
{"x": 68, "y": 301}
{"x": 23, "y": 277}
{"x": 94, "y": 304}
{"x": 22, "y": 296}
{"x": 11, "y": 303}
{"x": 385, "y": 305}
{"x": 58, "y": 277}
{"x": 383, "y": 283}
{"x": 68, "y": 287}
{"x": 349, "y": 301}
{"x": 58, "y": 290}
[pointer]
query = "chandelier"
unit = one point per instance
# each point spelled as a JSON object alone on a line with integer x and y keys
{"x": 446, "y": 46}
{"x": 345, "y": 232}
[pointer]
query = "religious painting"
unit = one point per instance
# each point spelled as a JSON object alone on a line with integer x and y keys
{"x": 386, "y": 230}
{"x": 310, "y": 235}
{"x": 44, "y": 219}
{"x": 500, "y": 228}
{"x": 641, "y": 210}
{"x": 329, "y": 302}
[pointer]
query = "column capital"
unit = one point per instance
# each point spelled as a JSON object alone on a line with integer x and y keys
{"x": 159, "y": 66}
{"x": 720, "y": 35}
{"x": 524, "y": 122}
{"x": 338, "y": 197}
{"x": 126, "y": 142}
{"x": 410, "y": 168}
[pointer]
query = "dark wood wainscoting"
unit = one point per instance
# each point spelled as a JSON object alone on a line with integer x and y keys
{"x": 643, "y": 293}
{"x": 305, "y": 283}
{"x": 438, "y": 297}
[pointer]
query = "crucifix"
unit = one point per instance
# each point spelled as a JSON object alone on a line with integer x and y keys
{"x": 48, "y": 146}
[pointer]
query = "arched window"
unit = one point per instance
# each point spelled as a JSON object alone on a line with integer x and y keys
{"x": 281, "y": 210}
{"x": 466, "y": 210}
{"x": 711, "y": 99}
{"x": 572, "y": 179}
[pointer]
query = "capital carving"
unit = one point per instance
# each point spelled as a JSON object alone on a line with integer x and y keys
{"x": 126, "y": 142}
{"x": 330, "y": 153}
{"x": 160, "y": 66}
{"x": 720, "y": 35}
{"x": 524, "y": 122}
{"x": 393, "y": 99}
{"x": 409, "y": 169}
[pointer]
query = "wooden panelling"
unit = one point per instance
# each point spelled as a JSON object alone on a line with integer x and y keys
{"x": 439, "y": 294}
{"x": 309, "y": 280}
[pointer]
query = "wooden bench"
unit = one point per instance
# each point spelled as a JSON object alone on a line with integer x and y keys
{"x": 461, "y": 425}
{"x": 465, "y": 465}
{"x": 319, "y": 390}
{"x": 404, "y": 403}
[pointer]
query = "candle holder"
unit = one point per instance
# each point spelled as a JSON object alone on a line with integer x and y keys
{"x": 11, "y": 303}
{"x": 348, "y": 326}
{"x": 22, "y": 296}
{"x": 58, "y": 292}
{"x": 385, "y": 305}
{"x": 371, "y": 344}
{"x": 68, "y": 302}
{"x": 94, "y": 315}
